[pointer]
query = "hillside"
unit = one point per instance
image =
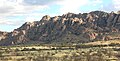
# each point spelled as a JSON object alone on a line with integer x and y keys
{"x": 68, "y": 28}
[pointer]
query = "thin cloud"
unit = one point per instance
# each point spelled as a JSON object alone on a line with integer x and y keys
{"x": 108, "y": 7}
{"x": 17, "y": 6}
{"x": 75, "y": 5}
{"x": 116, "y": 4}
{"x": 10, "y": 22}
{"x": 39, "y": 2}
{"x": 6, "y": 9}
{"x": 71, "y": 5}
{"x": 11, "y": 8}
{"x": 113, "y": 5}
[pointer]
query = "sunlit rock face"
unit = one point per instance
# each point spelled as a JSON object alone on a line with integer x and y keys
{"x": 68, "y": 28}
{"x": 3, "y": 35}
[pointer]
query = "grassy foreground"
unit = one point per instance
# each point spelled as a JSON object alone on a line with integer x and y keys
{"x": 73, "y": 52}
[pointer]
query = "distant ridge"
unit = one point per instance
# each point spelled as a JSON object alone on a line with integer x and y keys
{"x": 68, "y": 28}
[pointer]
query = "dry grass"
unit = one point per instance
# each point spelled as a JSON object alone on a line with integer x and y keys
{"x": 104, "y": 42}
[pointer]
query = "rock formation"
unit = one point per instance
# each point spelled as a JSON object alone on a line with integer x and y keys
{"x": 3, "y": 35}
{"x": 68, "y": 28}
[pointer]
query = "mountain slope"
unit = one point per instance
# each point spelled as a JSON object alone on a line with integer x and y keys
{"x": 68, "y": 28}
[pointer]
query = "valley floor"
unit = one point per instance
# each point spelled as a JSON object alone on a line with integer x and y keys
{"x": 78, "y": 52}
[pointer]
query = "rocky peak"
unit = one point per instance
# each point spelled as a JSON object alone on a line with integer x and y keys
{"x": 27, "y": 26}
{"x": 46, "y": 17}
{"x": 68, "y": 15}
{"x": 118, "y": 12}
{"x": 55, "y": 18}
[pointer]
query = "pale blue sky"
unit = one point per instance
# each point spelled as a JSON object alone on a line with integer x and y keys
{"x": 13, "y": 13}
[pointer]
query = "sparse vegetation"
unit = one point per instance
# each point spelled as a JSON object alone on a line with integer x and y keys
{"x": 80, "y": 52}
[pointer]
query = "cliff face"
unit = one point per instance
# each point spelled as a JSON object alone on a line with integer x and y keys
{"x": 68, "y": 28}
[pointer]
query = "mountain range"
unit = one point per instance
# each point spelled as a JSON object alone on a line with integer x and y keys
{"x": 68, "y": 28}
